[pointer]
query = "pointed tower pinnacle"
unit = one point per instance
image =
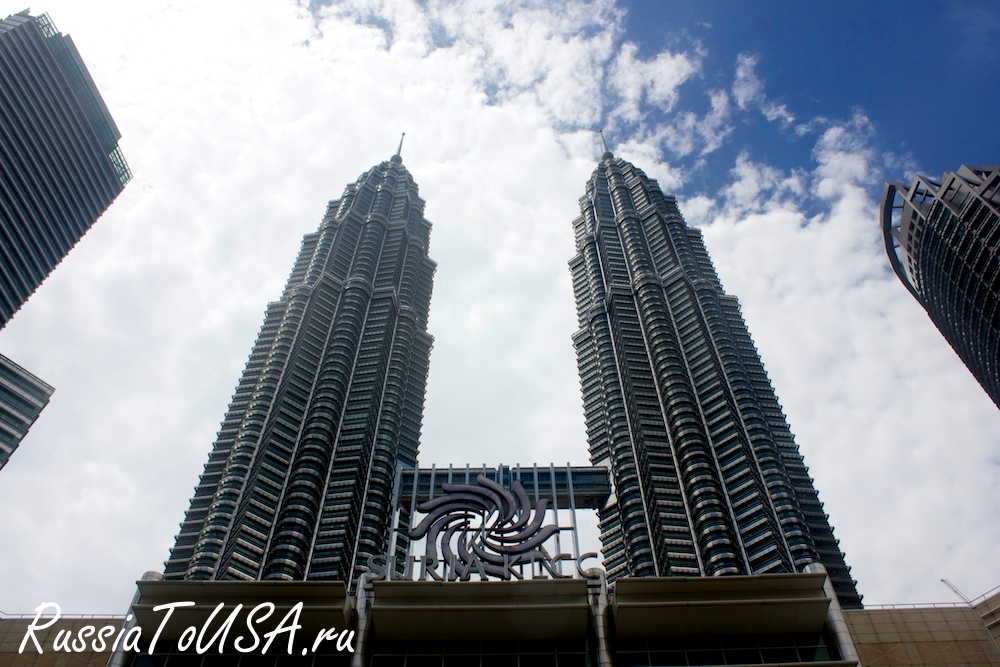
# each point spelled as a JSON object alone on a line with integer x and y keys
{"x": 398, "y": 157}
{"x": 607, "y": 154}
{"x": 373, "y": 234}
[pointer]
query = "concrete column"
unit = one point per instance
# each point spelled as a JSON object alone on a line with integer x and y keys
{"x": 835, "y": 620}
{"x": 597, "y": 595}
{"x": 365, "y": 595}
{"x": 118, "y": 657}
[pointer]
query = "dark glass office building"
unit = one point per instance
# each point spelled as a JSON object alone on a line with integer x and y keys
{"x": 60, "y": 166}
{"x": 60, "y": 169}
{"x": 298, "y": 485}
{"x": 707, "y": 477}
{"x": 943, "y": 241}
{"x": 22, "y": 397}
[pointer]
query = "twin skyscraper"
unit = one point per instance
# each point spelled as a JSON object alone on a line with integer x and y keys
{"x": 303, "y": 479}
{"x": 300, "y": 477}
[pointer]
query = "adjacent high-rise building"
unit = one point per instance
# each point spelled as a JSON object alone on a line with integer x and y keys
{"x": 943, "y": 241}
{"x": 22, "y": 397}
{"x": 60, "y": 166}
{"x": 707, "y": 477}
{"x": 298, "y": 485}
{"x": 60, "y": 169}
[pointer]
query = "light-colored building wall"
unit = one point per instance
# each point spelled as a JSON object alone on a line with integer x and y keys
{"x": 12, "y": 633}
{"x": 989, "y": 611}
{"x": 934, "y": 635}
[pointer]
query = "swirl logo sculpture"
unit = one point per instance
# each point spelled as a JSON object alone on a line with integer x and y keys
{"x": 484, "y": 526}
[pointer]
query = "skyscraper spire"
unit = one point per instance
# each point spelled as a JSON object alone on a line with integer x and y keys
{"x": 399, "y": 151}
{"x": 607, "y": 154}
{"x": 330, "y": 402}
{"x": 707, "y": 478}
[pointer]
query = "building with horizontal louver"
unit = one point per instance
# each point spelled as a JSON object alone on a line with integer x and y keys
{"x": 60, "y": 165}
{"x": 943, "y": 241}
{"x": 298, "y": 485}
{"x": 60, "y": 169}
{"x": 22, "y": 397}
{"x": 707, "y": 477}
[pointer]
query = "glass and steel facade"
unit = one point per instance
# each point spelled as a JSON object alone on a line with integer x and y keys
{"x": 707, "y": 477}
{"x": 22, "y": 397}
{"x": 299, "y": 483}
{"x": 943, "y": 241}
{"x": 60, "y": 166}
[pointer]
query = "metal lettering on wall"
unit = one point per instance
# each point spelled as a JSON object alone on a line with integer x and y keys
{"x": 482, "y": 530}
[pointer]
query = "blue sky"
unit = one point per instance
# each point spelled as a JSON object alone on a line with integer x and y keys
{"x": 774, "y": 124}
{"x": 924, "y": 73}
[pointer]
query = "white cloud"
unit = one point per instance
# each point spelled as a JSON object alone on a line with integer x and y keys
{"x": 238, "y": 140}
{"x": 748, "y": 91}
{"x": 688, "y": 132}
{"x": 759, "y": 187}
{"x": 775, "y": 112}
{"x": 899, "y": 436}
{"x": 654, "y": 81}
{"x": 747, "y": 87}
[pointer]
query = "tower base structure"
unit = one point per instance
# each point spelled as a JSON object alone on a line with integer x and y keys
{"x": 746, "y": 620}
{"x": 484, "y": 567}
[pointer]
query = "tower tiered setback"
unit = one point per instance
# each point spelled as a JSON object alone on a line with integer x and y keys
{"x": 708, "y": 479}
{"x": 299, "y": 483}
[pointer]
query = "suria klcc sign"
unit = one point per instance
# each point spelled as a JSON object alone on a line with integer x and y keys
{"x": 484, "y": 531}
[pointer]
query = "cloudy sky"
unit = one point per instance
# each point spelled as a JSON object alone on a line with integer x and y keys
{"x": 775, "y": 126}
